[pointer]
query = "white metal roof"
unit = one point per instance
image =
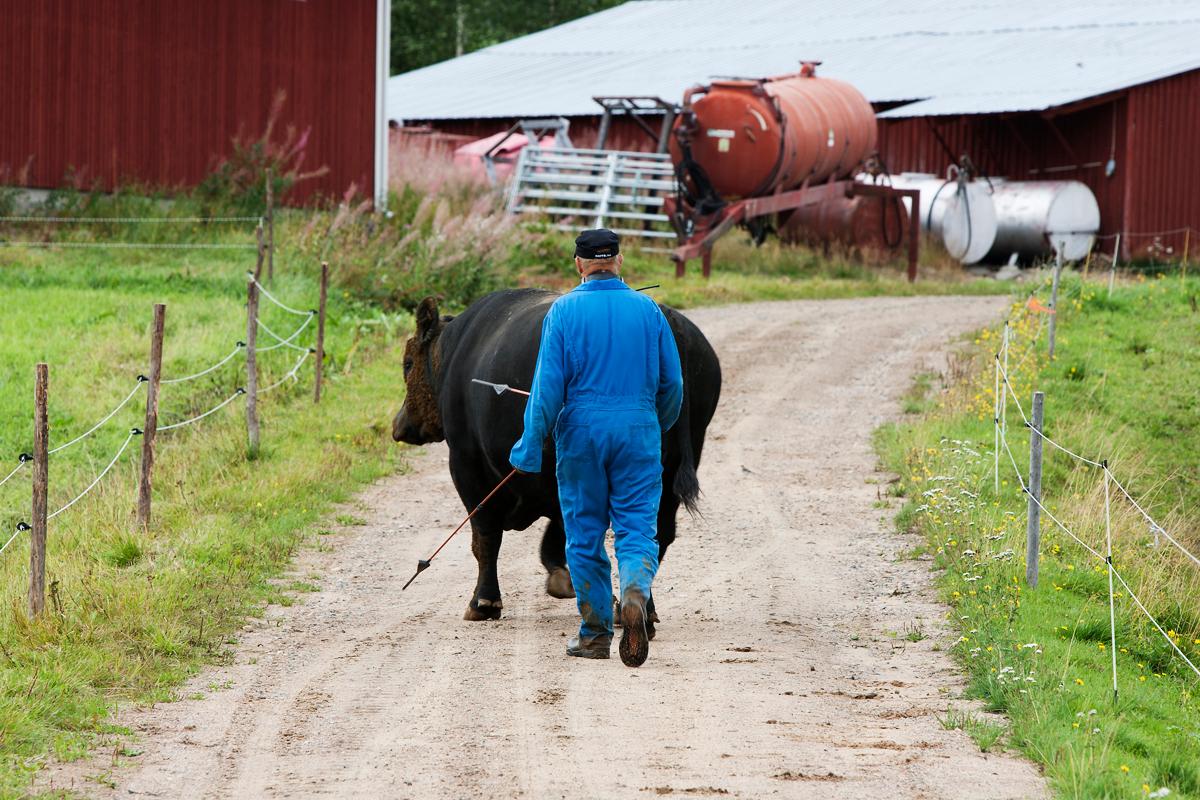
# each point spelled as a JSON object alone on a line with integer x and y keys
{"x": 978, "y": 57}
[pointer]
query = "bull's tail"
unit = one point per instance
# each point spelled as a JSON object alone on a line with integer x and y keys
{"x": 687, "y": 485}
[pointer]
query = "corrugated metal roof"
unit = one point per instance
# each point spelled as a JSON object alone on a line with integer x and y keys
{"x": 980, "y": 57}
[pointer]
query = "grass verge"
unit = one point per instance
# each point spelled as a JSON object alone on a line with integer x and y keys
{"x": 132, "y": 613}
{"x": 1123, "y": 386}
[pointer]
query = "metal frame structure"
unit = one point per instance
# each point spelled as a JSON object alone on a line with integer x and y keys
{"x": 584, "y": 188}
{"x": 534, "y": 130}
{"x": 636, "y": 107}
{"x": 702, "y": 233}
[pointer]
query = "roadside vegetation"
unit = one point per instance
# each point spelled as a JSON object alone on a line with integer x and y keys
{"x": 1123, "y": 386}
{"x": 131, "y": 613}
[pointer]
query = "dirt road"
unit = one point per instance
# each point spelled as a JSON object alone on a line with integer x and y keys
{"x": 781, "y": 667}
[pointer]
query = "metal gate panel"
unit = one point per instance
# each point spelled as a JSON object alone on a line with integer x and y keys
{"x": 578, "y": 188}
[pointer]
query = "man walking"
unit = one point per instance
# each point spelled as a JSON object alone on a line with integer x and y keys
{"x": 608, "y": 383}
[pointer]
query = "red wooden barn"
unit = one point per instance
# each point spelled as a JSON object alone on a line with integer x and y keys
{"x": 154, "y": 91}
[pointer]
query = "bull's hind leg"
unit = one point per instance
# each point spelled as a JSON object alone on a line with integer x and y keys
{"x": 485, "y": 602}
{"x": 554, "y": 559}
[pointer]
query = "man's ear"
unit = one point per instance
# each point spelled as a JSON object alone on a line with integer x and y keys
{"x": 579, "y": 265}
{"x": 620, "y": 260}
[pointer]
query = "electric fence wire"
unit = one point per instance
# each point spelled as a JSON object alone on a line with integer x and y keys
{"x": 15, "y": 535}
{"x": 1108, "y": 561}
{"x": 132, "y": 245}
{"x": 213, "y": 368}
{"x": 1041, "y": 435}
{"x": 1150, "y": 616}
{"x": 275, "y": 300}
{"x": 20, "y": 464}
{"x": 1149, "y": 519}
{"x": 282, "y": 342}
{"x": 125, "y": 220}
{"x": 1154, "y": 525}
{"x": 1038, "y": 502}
{"x": 213, "y": 410}
{"x": 290, "y": 375}
{"x": 103, "y": 472}
{"x": 1171, "y": 232}
{"x": 97, "y": 426}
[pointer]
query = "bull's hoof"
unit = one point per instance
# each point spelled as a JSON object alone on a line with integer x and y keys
{"x": 558, "y": 584}
{"x": 481, "y": 609}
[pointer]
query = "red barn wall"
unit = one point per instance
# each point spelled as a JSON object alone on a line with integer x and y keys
{"x": 1150, "y": 130}
{"x": 1021, "y": 147}
{"x": 1164, "y": 162}
{"x": 153, "y": 91}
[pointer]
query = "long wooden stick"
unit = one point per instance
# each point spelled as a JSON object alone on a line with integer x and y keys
{"x": 423, "y": 564}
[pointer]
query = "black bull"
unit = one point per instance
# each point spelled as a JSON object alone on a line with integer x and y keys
{"x": 497, "y": 339}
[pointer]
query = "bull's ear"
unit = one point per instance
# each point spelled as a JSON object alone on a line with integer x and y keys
{"x": 427, "y": 319}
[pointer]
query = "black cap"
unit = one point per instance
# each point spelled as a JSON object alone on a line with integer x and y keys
{"x": 600, "y": 243}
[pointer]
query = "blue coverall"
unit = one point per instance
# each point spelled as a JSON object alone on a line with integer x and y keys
{"x": 608, "y": 380}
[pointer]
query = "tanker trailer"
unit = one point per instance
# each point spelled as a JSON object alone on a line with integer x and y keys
{"x": 956, "y": 211}
{"x": 1032, "y": 214}
{"x": 747, "y": 149}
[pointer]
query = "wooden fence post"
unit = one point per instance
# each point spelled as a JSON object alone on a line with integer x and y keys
{"x": 1187, "y": 241}
{"x": 321, "y": 331}
{"x": 1054, "y": 299}
{"x": 41, "y": 480}
{"x": 1033, "y": 531}
{"x": 258, "y": 234}
{"x": 252, "y": 366}
{"x": 151, "y": 426}
{"x": 1112, "y": 270}
{"x": 270, "y": 230}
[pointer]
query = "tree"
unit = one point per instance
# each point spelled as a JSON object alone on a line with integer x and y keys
{"x": 425, "y": 32}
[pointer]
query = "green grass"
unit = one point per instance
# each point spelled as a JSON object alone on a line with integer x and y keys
{"x": 985, "y": 733}
{"x": 1123, "y": 386}
{"x": 132, "y": 613}
{"x": 744, "y": 273}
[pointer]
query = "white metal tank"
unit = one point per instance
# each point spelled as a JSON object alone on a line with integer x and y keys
{"x": 961, "y": 215}
{"x": 1031, "y": 213}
